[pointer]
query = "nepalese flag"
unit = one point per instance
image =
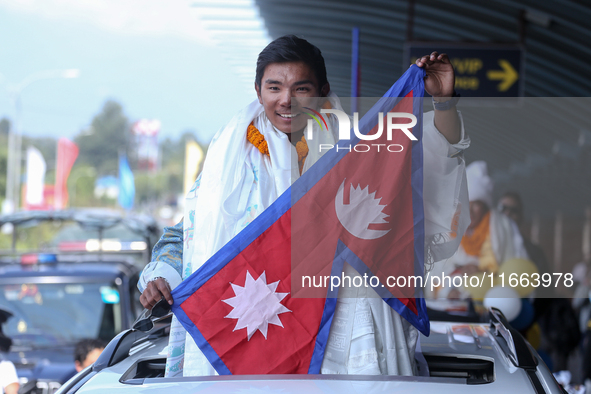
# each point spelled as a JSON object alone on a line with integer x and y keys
{"x": 247, "y": 308}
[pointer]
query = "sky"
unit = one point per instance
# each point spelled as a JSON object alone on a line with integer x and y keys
{"x": 153, "y": 57}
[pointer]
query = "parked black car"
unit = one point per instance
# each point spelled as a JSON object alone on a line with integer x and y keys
{"x": 77, "y": 281}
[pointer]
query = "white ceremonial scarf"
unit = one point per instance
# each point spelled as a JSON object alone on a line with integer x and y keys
{"x": 236, "y": 177}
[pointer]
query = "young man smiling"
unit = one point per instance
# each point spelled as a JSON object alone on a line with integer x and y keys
{"x": 281, "y": 82}
{"x": 243, "y": 176}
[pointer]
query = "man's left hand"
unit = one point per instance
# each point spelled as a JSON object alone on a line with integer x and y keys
{"x": 440, "y": 74}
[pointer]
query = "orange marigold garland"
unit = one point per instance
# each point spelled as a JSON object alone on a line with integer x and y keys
{"x": 472, "y": 243}
{"x": 302, "y": 149}
{"x": 254, "y": 136}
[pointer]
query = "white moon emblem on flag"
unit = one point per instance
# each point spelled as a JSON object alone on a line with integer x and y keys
{"x": 256, "y": 305}
{"x": 363, "y": 209}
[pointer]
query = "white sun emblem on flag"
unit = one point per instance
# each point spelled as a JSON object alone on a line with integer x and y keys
{"x": 363, "y": 209}
{"x": 256, "y": 305}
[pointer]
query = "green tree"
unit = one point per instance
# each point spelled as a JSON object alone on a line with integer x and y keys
{"x": 81, "y": 186}
{"x": 108, "y": 135}
{"x": 173, "y": 151}
{"x": 4, "y": 127}
{"x": 165, "y": 185}
{"x": 3, "y": 165}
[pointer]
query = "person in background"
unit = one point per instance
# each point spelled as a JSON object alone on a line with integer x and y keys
{"x": 556, "y": 316}
{"x": 490, "y": 240}
{"x": 87, "y": 351}
{"x": 511, "y": 205}
{"x": 8, "y": 378}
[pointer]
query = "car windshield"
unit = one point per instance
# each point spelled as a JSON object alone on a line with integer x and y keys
{"x": 64, "y": 236}
{"x": 47, "y": 315}
{"x": 70, "y": 235}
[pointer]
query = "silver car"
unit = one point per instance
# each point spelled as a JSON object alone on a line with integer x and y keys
{"x": 456, "y": 358}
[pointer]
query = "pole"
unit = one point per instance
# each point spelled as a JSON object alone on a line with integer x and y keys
{"x": 8, "y": 204}
{"x": 586, "y": 242}
{"x": 57, "y": 191}
{"x": 410, "y": 22}
{"x": 12, "y": 201}
{"x": 355, "y": 70}
{"x": 18, "y": 139}
{"x": 558, "y": 241}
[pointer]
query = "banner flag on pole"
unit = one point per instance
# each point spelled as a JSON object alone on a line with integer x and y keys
{"x": 126, "y": 184}
{"x": 242, "y": 307}
{"x": 36, "y": 168}
{"x": 67, "y": 152}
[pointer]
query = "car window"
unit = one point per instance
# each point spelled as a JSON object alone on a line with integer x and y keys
{"x": 34, "y": 235}
{"x": 53, "y": 314}
{"x": 65, "y": 238}
{"x": 72, "y": 233}
{"x": 69, "y": 236}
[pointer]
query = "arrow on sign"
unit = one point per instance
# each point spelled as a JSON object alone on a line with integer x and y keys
{"x": 507, "y": 75}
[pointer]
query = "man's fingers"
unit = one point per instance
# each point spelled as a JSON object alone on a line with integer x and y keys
{"x": 152, "y": 293}
{"x": 423, "y": 61}
{"x": 143, "y": 300}
{"x": 433, "y": 58}
{"x": 164, "y": 289}
{"x": 146, "y": 298}
{"x": 443, "y": 57}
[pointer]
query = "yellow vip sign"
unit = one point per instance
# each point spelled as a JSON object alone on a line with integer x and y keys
{"x": 507, "y": 76}
{"x": 481, "y": 71}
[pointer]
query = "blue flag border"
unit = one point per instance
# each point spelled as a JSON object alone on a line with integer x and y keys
{"x": 126, "y": 184}
{"x": 410, "y": 80}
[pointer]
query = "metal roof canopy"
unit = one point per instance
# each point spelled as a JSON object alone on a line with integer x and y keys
{"x": 548, "y": 163}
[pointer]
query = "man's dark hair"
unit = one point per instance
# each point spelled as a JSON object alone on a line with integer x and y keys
{"x": 85, "y": 346}
{"x": 5, "y": 342}
{"x": 292, "y": 49}
{"x": 515, "y": 196}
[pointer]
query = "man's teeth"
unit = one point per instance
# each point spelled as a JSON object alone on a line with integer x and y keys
{"x": 288, "y": 115}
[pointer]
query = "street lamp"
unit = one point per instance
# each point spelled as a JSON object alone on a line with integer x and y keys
{"x": 13, "y": 173}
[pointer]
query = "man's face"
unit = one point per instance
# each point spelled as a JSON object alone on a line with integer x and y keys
{"x": 477, "y": 211}
{"x": 281, "y": 82}
{"x": 91, "y": 357}
{"x": 510, "y": 207}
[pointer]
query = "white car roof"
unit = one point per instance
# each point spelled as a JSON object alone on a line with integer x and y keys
{"x": 474, "y": 345}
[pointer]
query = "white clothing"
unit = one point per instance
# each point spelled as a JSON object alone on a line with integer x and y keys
{"x": 7, "y": 374}
{"x": 379, "y": 340}
{"x": 506, "y": 243}
{"x": 480, "y": 185}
